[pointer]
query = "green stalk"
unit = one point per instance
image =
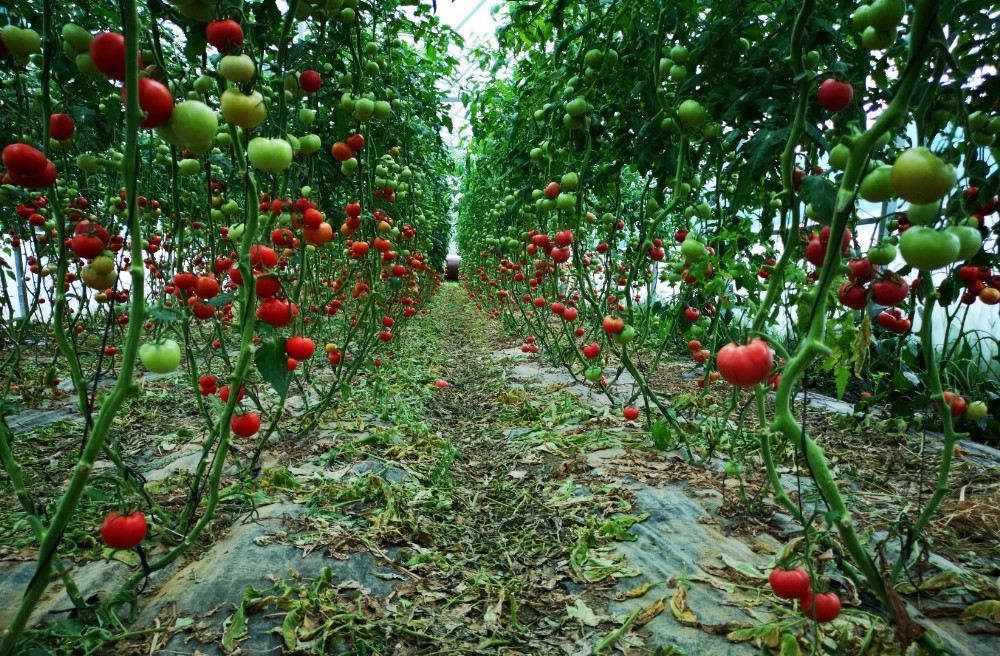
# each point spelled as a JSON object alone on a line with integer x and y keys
{"x": 125, "y": 385}
{"x": 950, "y": 436}
{"x": 813, "y": 344}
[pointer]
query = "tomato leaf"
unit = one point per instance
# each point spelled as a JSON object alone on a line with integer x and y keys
{"x": 271, "y": 362}
{"x": 661, "y": 434}
{"x": 988, "y": 609}
{"x": 160, "y": 313}
{"x": 821, "y": 194}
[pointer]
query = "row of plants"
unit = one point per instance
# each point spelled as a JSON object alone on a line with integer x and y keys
{"x": 691, "y": 180}
{"x": 249, "y": 197}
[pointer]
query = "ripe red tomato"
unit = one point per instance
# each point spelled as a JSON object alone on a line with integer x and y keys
{"x": 341, "y": 151}
{"x": 822, "y": 607}
{"x": 890, "y": 291}
{"x": 263, "y": 256}
{"x": 156, "y": 101}
{"x": 87, "y": 246}
{"x": 691, "y": 314}
{"x": 22, "y": 159}
{"x": 207, "y": 287}
{"x": 185, "y": 280}
{"x": 552, "y": 190}
{"x": 789, "y": 583}
{"x": 300, "y": 348}
{"x": 124, "y": 531}
{"x": 61, "y": 127}
{"x": 107, "y": 51}
{"x": 694, "y": 345}
{"x": 246, "y": 424}
{"x": 310, "y": 81}
{"x": 630, "y": 413}
{"x": 834, "y": 95}
{"x": 591, "y": 351}
{"x": 224, "y": 35}
{"x": 356, "y": 142}
{"x": 612, "y": 325}
{"x": 745, "y": 365}
{"x": 853, "y": 295}
{"x": 277, "y": 312}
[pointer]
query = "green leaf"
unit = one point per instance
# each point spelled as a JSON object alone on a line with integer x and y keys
{"x": 988, "y": 610}
{"x": 236, "y": 628}
{"x": 661, "y": 434}
{"x": 843, "y": 375}
{"x": 789, "y": 645}
{"x": 272, "y": 362}
{"x": 289, "y": 628}
{"x": 821, "y": 194}
{"x": 160, "y": 313}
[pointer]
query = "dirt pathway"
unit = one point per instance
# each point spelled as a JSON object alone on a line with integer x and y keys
{"x": 511, "y": 512}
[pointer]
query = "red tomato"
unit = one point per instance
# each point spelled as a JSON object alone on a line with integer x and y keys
{"x": 310, "y": 81}
{"x": 746, "y": 365}
{"x": 890, "y": 291}
{"x": 341, "y": 151}
{"x": 207, "y": 287}
{"x": 156, "y": 101}
{"x": 613, "y": 325}
{"x": 300, "y": 348}
{"x": 834, "y": 95}
{"x": 23, "y": 159}
{"x": 591, "y": 351}
{"x": 61, "y": 127}
{"x": 789, "y": 583}
{"x": 823, "y": 607}
{"x": 630, "y": 413}
{"x": 356, "y": 142}
{"x": 277, "y": 312}
{"x": 124, "y": 531}
{"x": 107, "y": 51}
{"x": 224, "y": 35}
{"x": 246, "y": 424}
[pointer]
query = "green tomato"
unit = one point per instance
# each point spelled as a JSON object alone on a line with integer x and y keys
{"x": 593, "y": 373}
{"x": 364, "y": 109}
{"x": 193, "y": 124}
{"x": 626, "y": 335}
{"x": 272, "y": 155}
{"x": 975, "y": 411}
{"x": 594, "y": 58}
{"x": 204, "y": 84}
{"x": 927, "y": 249}
{"x": 307, "y": 116}
{"x": 876, "y": 187}
{"x": 246, "y": 111}
{"x": 872, "y": 39}
{"x": 310, "y": 143}
{"x": 160, "y": 357}
{"x": 237, "y": 68}
{"x": 692, "y": 249}
{"x": 569, "y": 181}
{"x": 839, "y": 155}
{"x": 920, "y": 176}
{"x": 969, "y": 238}
{"x": 77, "y": 37}
{"x": 566, "y": 202}
{"x": 918, "y": 214}
{"x": 691, "y": 114}
{"x": 679, "y": 54}
{"x": 577, "y": 107}
{"x": 885, "y": 15}
{"x": 382, "y": 110}
{"x": 883, "y": 254}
